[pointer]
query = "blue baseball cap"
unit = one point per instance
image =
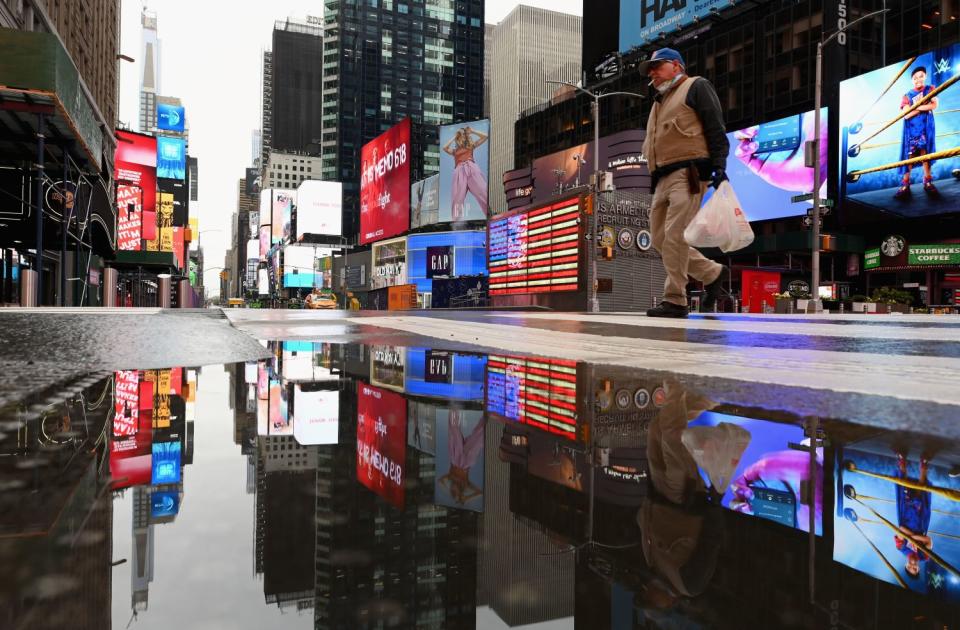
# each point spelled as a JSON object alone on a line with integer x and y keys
{"x": 663, "y": 54}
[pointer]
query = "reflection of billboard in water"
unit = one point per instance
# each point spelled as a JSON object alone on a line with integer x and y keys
{"x": 459, "y": 459}
{"x": 892, "y": 121}
{"x": 768, "y": 475}
{"x": 766, "y": 166}
{"x": 381, "y": 442}
{"x": 166, "y": 462}
{"x": 316, "y": 415}
{"x": 897, "y": 516}
{"x": 164, "y": 504}
{"x": 538, "y": 392}
{"x": 448, "y": 375}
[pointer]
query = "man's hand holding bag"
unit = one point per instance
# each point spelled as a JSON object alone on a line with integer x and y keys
{"x": 720, "y": 222}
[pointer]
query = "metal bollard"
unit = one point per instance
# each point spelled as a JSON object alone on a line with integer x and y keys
{"x": 185, "y": 293}
{"x": 110, "y": 287}
{"x": 163, "y": 290}
{"x": 28, "y": 287}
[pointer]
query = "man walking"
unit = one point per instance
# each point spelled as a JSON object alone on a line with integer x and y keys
{"x": 686, "y": 149}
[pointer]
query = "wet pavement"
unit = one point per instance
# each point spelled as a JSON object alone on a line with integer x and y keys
{"x": 370, "y": 473}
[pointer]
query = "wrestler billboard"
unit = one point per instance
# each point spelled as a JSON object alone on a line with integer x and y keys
{"x": 385, "y": 184}
{"x": 898, "y": 136}
{"x": 381, "y": 442}
{"x": 895, "y": 516}
{"x": 464, "y": 171}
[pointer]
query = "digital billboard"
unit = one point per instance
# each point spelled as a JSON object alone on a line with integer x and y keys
{"x": 422, "y": 426}
{"x": 381, "y": 442}
{"x": 265, "y": 215}
{"x": 388, "y": 366}
{"x": 425, "y": 202}
{"x": 298, "y": 266}
{"x": 896, "y": 515}
{"x": 766, "y": 166}
{"x": 643, "y": 21}
{"x": 538, "y": 392}
{"x": 768, "y": 477}
{"x": 166, "y": 463}
{"x": 899, "y": 126}
{"x": 170, "y": 117}
{"x": 181, "y": 199}
{"x": 389, "y": 264}
{"x": 126, "y": 402}
{"x": 171, "y": 158}
{"x": 385, "y": 184}
{"x": 135, "y": 166}
{"x": 164, "y": 504}
{"x": 252, "y": 182}
{"x": 264, "y": 241}
{"x": 319, "y": 208}
{"x": 459, "y": 459}
{"x": 263, "y": 282}
{"x": 536, "y": 251}
{"x": 461, "y": 253}
{"x": 282, "y": 214}
{"x": 129, "y": 217}
{"x": 316, "y": 414}
{"x": 446, "y": 375}
{"x": 464, "y": 167}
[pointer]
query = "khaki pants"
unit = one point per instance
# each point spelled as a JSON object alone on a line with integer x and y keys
{"x": 673, "y": 209}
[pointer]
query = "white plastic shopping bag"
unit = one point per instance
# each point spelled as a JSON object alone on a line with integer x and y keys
{"x": 720, "y": 223}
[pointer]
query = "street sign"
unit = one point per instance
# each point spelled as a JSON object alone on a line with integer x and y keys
{"x": 809, "y": 197}
{"x": 808, "y": 221}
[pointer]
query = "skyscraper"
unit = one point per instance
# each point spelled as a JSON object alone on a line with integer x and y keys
{"x": 297, "y": 75}
{"x": 266, "y": 108}
{"x": 530, "y": 47}
{"x": 149, "y": 72}
{"x": 390, "y": 61}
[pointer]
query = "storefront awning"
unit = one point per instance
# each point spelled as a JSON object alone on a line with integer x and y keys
{"x": 154, "y": 260}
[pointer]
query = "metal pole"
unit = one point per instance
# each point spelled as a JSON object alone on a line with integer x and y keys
{"x": 38, "y": 206}
{"x": 594, "y": 301}
{"x": 815, "y": 246}
{"x": 64, "y": 227}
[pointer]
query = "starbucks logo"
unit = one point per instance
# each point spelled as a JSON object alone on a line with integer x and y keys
{"x": 892, "y": 246}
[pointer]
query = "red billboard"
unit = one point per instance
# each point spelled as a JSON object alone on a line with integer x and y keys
{"x": 385, "y": 184}
{"x": 536, "y": 251}
{"x": 135, "y": 166}
{"x": 132, "y": 435}
{"x": 381, "y": 442}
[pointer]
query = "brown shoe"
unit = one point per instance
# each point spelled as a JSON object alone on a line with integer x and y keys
{"x": 903, "y": 192}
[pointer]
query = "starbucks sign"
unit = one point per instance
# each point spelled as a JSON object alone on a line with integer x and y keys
{"x": 942, "y": 254}
{"x": 871, "y": 258}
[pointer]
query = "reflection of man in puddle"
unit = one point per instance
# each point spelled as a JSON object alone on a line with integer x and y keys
{"x": 913, "y": 518}
{"x": 680, "y": 523}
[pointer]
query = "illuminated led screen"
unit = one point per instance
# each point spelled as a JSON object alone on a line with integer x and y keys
{"x": 537, "y": 251}
{"x": 538, "y": 392}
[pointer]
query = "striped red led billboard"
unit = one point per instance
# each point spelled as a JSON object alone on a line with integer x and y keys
{"x": 538, "y": 392}
{"x": 536, "y": 251}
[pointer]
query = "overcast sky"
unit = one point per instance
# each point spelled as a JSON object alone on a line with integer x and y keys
{"x": 211, "y": 57}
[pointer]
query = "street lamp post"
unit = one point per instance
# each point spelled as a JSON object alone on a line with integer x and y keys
{"x": 595, "y": 112}
{"x": 817, "y": 97}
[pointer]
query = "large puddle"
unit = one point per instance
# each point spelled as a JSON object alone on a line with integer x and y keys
{"x": 351, "y": 486}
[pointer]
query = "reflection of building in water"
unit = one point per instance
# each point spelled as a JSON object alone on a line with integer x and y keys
{"x": 522, "y": 577}
{"x": 415, "y": 567}
{"x": 56, "y": 515}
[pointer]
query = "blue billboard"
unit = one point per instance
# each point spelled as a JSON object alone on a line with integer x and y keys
{"x": 164, "y": 504}
{"x": 898, "y": 136}
{"x": 643, "y": 21}
{"x": 166, "y": 463}
{"x": 766, "y": 166}
{"x": 468, "y": 251}
{"x": 171, "y": 158}
{"x": 170, "y": 117}
{"x": 447, "y": 375}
